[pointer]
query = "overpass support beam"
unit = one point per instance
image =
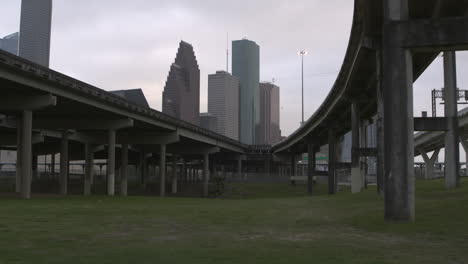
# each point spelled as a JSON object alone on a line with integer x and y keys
{"x": 124, "y": 171}
{"x": 356, "y": 178}
{"x": 89, "y": 160}
{"x": 162, "y": 170}
{"x": 397, "y": 64}
{"x": 206, "y": 173}
{"x": 464, "y": 143}
{"x": 332, "y": 184}
{"x": 26, "y": 154}
{"x": 19, "y": 159}
{"x": 64, "y": 164}
{"x": 380, "y": 126}
{"x": 311, "y": 166}
{"x": 174, "y": 175}
{"x": 111, "y": 163}
{"x": 430, "y": 162}
{"x": 452, "y": 145}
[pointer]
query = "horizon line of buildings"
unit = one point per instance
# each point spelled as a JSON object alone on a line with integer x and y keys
{"x": 239, "y": 105}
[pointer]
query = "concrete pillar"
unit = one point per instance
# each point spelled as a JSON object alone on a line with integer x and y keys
{"x": 174, "y": 175}
{"x": 452, "y": 145}
{"x": 111, "y": 163}
{"x": 331, "y": 161}
{"x": 379, "y": 125}
{"x": 206, "y": 173}
{"x": 213, "y": 167}
{"x": 464, "y": 143}
{"x": 293, "y": 165}
{"x": 64, "y": 164}
{"x": 190, "y": 173}
{"x": 52, "y": 165}
{"x": 397, "y": 64}
{"x": 162, "y": 169}
{"x": 311, "y": 166}
{"x": 89, "y": 160}
{"x": 26, "y": 154}
{"x": 429, "y": 163}
{"x": 267, "y": 166}
{"x": 35, "y": 169}
{"x": 239, "y": 168}
{"x": 363, "y": 160}
{"x": 19, "y": 159}
{"x": 124, "y": 171}
{"x": 184, "y": 169}
{"x": 356, "y": 179}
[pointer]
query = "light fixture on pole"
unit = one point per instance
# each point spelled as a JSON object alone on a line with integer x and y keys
{"x": 303, "y": 53}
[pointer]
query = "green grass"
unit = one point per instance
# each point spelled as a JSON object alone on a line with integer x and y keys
{"x": 268, "y": 223}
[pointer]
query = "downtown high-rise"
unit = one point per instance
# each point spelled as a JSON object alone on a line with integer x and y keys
{"x": 181, "y": 95}
{"x": 35, "y": 28}
{"x": 246, "y": 66}
{"x": 10, "y": 43}
{"x": 223, "y": 102}
{"x": 268, "y": 131}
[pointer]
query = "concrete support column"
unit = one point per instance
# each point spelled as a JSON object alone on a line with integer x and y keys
{"x": 206, "y": 173}
{"x": 184, "y": 170}
{"x": 356, "y": 179}
{"x": 124, "y": 171}
{"x": 331, "y": 161}
{"x": 26, "y": 154}
{"x": 429, "y": 163}
{"x": 89, "y": 162}
{"x": 213, "y": 167}
{"x": 174, "y": 175}
{"x": 162, "y": 170}
{"x": 239, "y": 168}
{"x": 267, "y": 167}
{"x": 311, "y": 166}
{"x": 464, "y": 143}
{"x": 111, "y": 163}
{"x": 19, "y": 159}
{"x": 397, "y": 64}
{"x": 452, "y": 145}
{"x": 363, "y": 160}
{"x": 52, "y": 165}
{"x": 380, "y": 126}
{"x": 64, "y": 164}
{"x": 35, "y": 169}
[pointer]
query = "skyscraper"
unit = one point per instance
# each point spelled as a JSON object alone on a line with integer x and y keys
{"x": 10, "y": 43}
{"x": 223, "y": 102}
{"x": 35, "y": 27}
{"x": 268, "y": 131}
{"x": 181, "y": 95}
{"x": 246, "y": 66}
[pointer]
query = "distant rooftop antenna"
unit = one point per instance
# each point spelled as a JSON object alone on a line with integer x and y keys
{"x": 227, "y": 52}
{"x": 273, "y": 81}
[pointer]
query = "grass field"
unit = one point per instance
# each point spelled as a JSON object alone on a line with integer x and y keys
{"x": 269, "y": 224}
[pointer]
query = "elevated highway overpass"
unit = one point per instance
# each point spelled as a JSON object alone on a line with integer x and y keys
{"x": 55, "y": 113}
{"x": 392, "y": 43}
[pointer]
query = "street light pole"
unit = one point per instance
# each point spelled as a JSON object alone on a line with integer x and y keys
{"x": 303, "y": 54}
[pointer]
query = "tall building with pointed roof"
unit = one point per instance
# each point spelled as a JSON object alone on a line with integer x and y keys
{"x": 181, "y": 95}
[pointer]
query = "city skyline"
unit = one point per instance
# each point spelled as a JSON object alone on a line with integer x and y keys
{"x": 114, "y": 54}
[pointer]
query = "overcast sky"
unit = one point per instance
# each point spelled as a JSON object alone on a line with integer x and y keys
{"x": 123, "y": 44}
